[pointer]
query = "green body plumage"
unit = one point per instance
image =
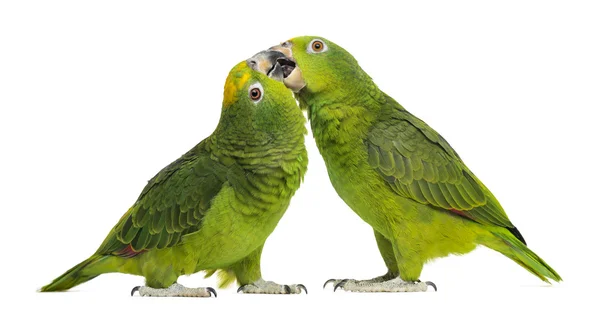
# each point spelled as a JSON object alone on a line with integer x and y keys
{"x": 396, "y": 172}
{"x": 213, "y": 208}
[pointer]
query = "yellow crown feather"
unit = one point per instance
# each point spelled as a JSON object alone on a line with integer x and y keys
{"x": 237, "y": 78}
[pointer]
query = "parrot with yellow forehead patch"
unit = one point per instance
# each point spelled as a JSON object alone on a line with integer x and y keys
{"x": 214, "y": 207}
{"x": 396, "y": 172}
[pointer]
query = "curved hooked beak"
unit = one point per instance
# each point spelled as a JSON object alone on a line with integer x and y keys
{"x": 278, "y": 64}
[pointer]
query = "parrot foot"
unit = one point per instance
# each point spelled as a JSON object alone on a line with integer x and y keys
{"x": 383, "y": 278}
{"x": 261, "y": 286}
{"x": 175, "y": 290}
{"x": 393, "y": 285}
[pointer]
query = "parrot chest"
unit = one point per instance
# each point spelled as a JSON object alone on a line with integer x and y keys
{"x": 241, "y": 218}
{"x": 340, "y": 136}
{"x": 357, "y": 183}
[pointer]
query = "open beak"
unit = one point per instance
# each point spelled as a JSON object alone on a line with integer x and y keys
{"x": 277, "y": 63}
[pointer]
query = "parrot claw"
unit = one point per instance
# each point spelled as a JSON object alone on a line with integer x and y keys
{"x": 431, "y": 284}
{"x": 211, "y": 291}
{"x": 242, "y": 287}
{"x": 302, "y": 287}
{"x": 135, "y": 289}
{"x": 327, "y": 282}
{"x": 340, "y": 284}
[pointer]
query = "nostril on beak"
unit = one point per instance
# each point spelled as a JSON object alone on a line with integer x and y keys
{"x": 252, "y": 64}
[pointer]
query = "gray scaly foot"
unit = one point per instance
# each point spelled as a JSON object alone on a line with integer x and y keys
{"x": 175, "y": 290}
{"x": 261, "y": 286}
{"x": 379, "y": 279}
{"x": 393, "y": 285}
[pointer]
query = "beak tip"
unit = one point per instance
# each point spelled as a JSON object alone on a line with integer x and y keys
{"x": 278, "y": 64}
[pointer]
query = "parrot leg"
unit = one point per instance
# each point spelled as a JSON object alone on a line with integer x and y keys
{"x": 261, "y": 286}
{"x": 393, "y": 285}
{"x": 390, "y": 282}
{"x": 247, "y": 272}
{"x": 387, "y": 253}
{"x": 175, "y": 290}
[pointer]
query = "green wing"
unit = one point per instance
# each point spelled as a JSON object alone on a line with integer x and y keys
{"x": 171, "y": 205}
{"x": 419, "y": 164}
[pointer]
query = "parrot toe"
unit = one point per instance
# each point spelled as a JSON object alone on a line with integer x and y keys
{"x": 244, "y": 287}
{"x": 269, "y": 287}
{"x": 175, "y": 290}
{"x": 380, "y": 285}
{"x": 341, "y": 284}
{"x": 336, "y": 283}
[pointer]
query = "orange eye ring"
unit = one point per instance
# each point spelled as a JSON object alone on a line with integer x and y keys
{"x": 317, "y": 46}
{"x": 255, "y": 94}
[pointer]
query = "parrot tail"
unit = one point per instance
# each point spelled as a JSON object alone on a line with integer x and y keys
{"x": 79, "y": 274}
{"x": 517, "y": 251}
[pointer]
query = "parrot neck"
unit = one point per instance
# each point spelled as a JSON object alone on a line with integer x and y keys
{"x": 343, "y": 116}
{"x": 282, "y": 152}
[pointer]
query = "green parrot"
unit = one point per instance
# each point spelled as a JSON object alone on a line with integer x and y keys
{"x": 393, "y": 170}
{"x": 214, "y": 207}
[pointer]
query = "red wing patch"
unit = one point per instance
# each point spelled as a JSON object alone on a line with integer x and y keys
{"x": 461, "y": 213}
{"x": 128, "y": 252}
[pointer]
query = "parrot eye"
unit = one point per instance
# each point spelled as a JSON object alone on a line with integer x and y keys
{"x": 317, "y": 46}
{"x": 255, "y": 92}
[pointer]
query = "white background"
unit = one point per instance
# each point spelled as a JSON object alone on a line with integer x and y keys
{"x": 97, "y": 98}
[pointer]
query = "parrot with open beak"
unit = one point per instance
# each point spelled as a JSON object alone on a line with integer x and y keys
{"x": 392, "y": 169}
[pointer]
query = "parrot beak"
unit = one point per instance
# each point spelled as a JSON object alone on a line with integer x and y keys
{"x": 278, "y": 64}
{"x": 268, "y": 63}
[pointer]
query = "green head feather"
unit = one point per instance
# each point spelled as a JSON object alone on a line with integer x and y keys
{"x": 323, "y": 69}
{"x": 331, "y": 74}
{"x": 255, "y": 106}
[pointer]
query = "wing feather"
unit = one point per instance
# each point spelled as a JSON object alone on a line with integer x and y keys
{"x": 419, "y": 164}
{"x": 171, "y": 205}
